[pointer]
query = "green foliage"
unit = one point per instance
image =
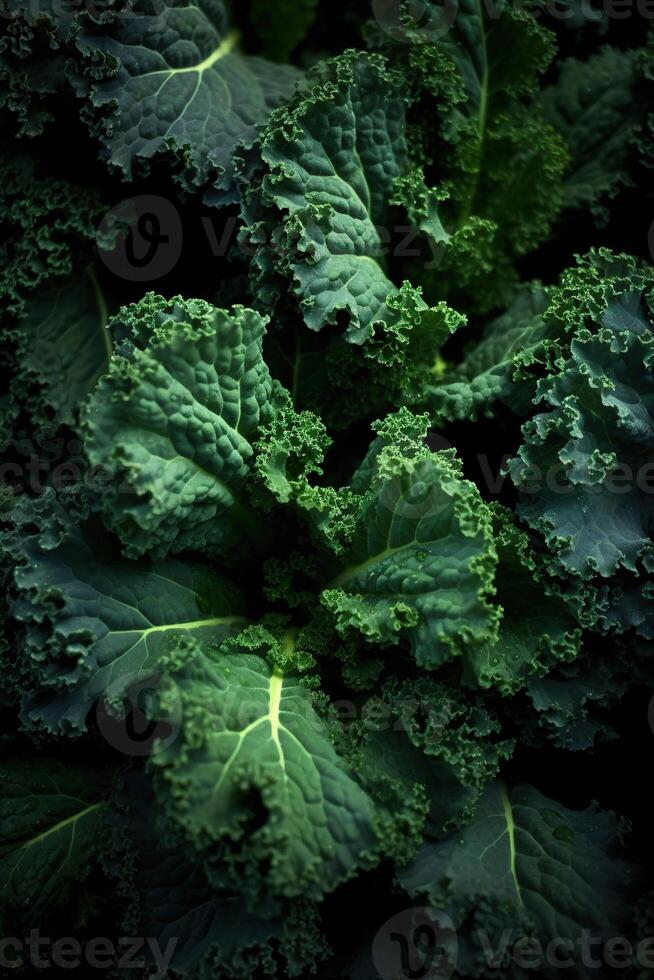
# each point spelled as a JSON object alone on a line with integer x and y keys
{"x": 253, "y": 741}
{"x": 526, "y": 859}
{"x": 589, "y": 497}
{"x": 173, "y": 421}
{"x": 50, "y": 818}
{"x": 494, "y": 164}
{"x": 327, "y": 553}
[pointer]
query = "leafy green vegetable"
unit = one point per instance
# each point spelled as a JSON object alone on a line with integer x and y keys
{"x": 93, "y": 623}
{"x": 319, "y": 205}
{"x": 496, "y": 164}
{"x": 172, "y": 423}
{"x": 252, "y": 741}
{"x": 421, "y": 560}
{"x": 531, "y": 861}
{"x": 66, "y": 343}
{"x": 326, "y": 534}
{"x": 593, "y": 106}
{"x": 589, "y": 497}
{"x": 172, "y": 80}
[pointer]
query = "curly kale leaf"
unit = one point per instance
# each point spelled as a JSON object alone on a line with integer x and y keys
{"x": 64, "y": 347}
{"x": 254, "y": 784}
{"x": 572, "y": 705}
{"x": 210, "y": 933}
{"x": 169, "y": 81}
{"x": 495, "y": 164}
{"x": 594, "y": 105}
{"x": 540, "y": 621}
{"x": 531, "y": 866}
{"x": 420, "y": 732}
{"x": 421, "y": 561}
{"x": 92, "y": 623}
{"x": 316, "y": 201}
{"x": 46, "y": 232}
{"x": 584, "y": 462}
{"x": 173, "y": 421}
{"x": 50, "y": 818}
{"x": 493, "y": 369}
{"x": 35, "y": 48}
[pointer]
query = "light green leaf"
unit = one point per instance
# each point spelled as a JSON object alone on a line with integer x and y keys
{"x": 539, "y": 627}
{"x": 173, "y": 421}
{"x": 422, "y": 559}
{"x": 318, "y": 206}
{"x": 254, "y": 782}
{"x": 487, "y": 373}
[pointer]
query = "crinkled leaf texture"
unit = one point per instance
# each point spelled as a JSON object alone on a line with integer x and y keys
{"x": 49, "y": 823}
{"x": 254, "y": 784}
{"x": 421, "y": 562}
{"x": 529, "y": 865}
{"x": 571, "y": 704}
{"x": 316, "y": 204}
{"x": 168, "y": 79}
{"x": 421, "y": 732}
{"x": 583, "y": 464}
{"x": 94, "y": 623}
{"x": 540, "y": 621}
{"x": 172, "y": 423}
{"x": 47, "y": 229}
{"x": 495, "y": 163}
{"x": 33, "y": 58}
{"x": 212, "y": 932}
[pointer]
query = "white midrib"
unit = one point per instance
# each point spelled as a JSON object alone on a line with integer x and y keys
{"x": 274, "y": 703}
{"x": 510, "y": 827}
{"x": 196, "y": 624}
{"x": 225, "y": 47}
{"x": 276, "y": 684}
